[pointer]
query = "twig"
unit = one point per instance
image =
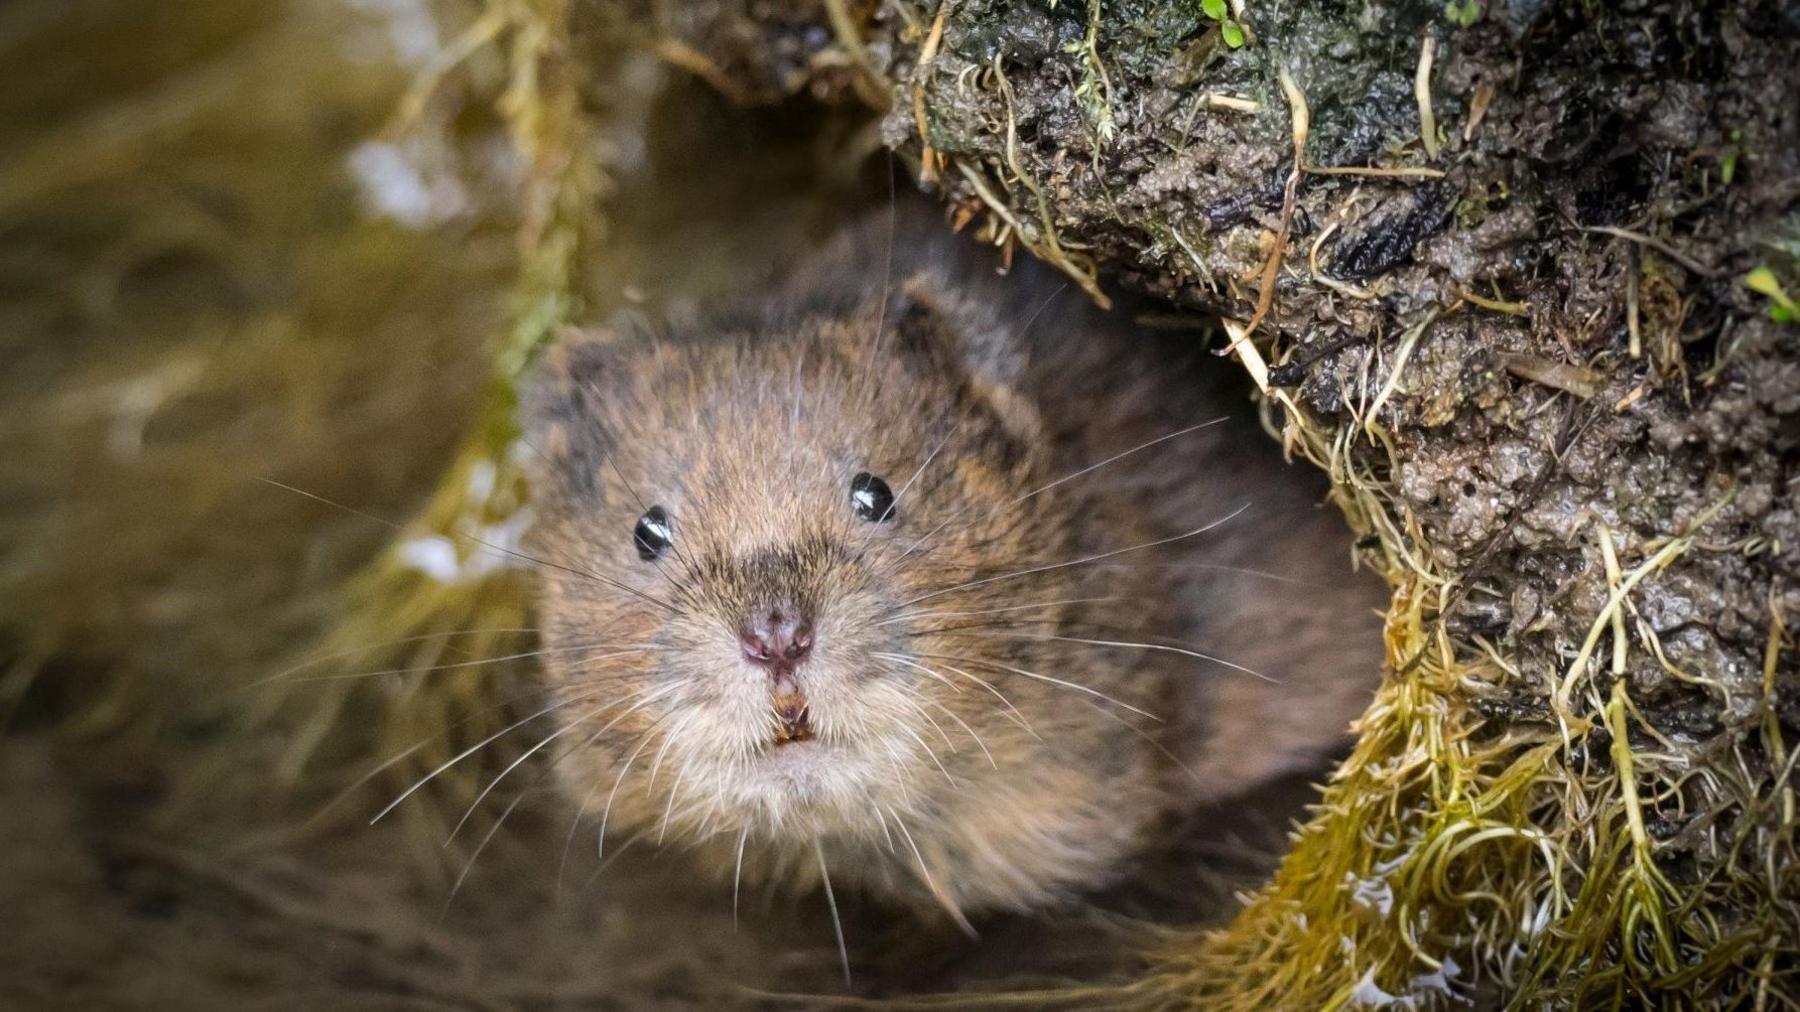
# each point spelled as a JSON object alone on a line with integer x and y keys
{"x": 1401, "y": 172}
{"x": 1632, "y": 326}
{"x": 1478, "y": 107}
{"x": 1614, "y": 601}
{"x": 1302, "y": 120}
{"x": 1658, "y": 245}
{"x": 1213, "y": 100}
{"x": 928, "y": 159}
{"x": 1558, "y": 375}
{"x": 1408, "y": 342}
{"x": 679, "y": 54}
{"x": 1312, "y": 263}
{"x": 1422, "y": 92}
{"x": 871, "y": 84}
{"x": 1062, "y": 263}
{"x": 1497, "y": 305}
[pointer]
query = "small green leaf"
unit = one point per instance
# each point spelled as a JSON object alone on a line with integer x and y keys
{"x": 1214, "y": 9}
{"x": 1762, "y": 281}
{"x": 1463, "y": 13}
{"x": 1232, "y": 33}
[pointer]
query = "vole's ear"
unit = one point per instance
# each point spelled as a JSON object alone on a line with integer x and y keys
{"x": 953, "y": 335}
{"x": 560, "y": 408}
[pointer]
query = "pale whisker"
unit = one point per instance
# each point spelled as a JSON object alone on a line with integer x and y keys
{"x": 606, "y": 813}
{"x": 1047, "y": 679}
{"x": 937, "y": 892}
{"x": 669, "y": 809}
{"x": 737, "y": 874}
{"x": 837, "y": 925}
{"x": 1066, "y": 478}
{"x": 935, "y": 726}
{"x": 1078, "y": 562}
{"x": 916, "y": 615}
{"x": 339, "y": 655}
{"x": 509, "y": 553}
{"x": 471, "y": 750}
{"x": 971, "y": 732}
{"x": 516, "y": 763}
{"x": 977, "y": 679}
{"x": 1131, "y": 645}
{"x": 459, "y": 665}
{"x": 470, "y": 863}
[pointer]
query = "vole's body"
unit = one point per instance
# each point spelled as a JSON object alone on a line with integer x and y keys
{"x": 989, "y": 695}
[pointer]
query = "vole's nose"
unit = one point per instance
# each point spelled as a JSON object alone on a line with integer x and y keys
{"x": 778, "y": 638}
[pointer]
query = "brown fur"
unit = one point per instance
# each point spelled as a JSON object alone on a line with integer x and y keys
{"x": 923, "y": 783}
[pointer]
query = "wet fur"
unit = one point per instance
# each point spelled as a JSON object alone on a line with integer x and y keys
{"x": 926, "y": 785}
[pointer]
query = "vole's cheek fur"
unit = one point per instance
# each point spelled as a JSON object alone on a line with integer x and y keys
{"x": 974, "y": 698}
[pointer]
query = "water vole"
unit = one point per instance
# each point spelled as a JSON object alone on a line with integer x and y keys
{"x": 929, "y": 581}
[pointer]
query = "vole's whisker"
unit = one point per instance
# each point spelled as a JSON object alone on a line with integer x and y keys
{"x": 488, "y": 545}
{"x": 644, "y": 697}
{"x": 472, "y": 749}
{"x": 977, "y": 679}
{"x": 1008, "y": 623}
{"x": 887, "y": 835}
{"x": 914, "y": 664}
{"x": 1071, "y": 476}
{"x": 588, "y": 798}
{"x": 837, "y": 925}
{"x": 896, "y": 761}
{"x": 916, "y": 708}
{"x": 937, "y": 892}
{"x": 1261, "y": 574}
{"x": 338, "y": 655}
{"x": 669, "y": 809}
{"x": 562, "y": 864}
{"x": 916, "y": 615}
{"x": 520, "y": 761}
{"x": 894, "y": 510}
{"x": 470, "y": 863}
{"x": 586, "y": 665}
{"x": 933, "y": 756}
{"x": 737, "y": 874}
{"x": 608, "y": 862}
{"x": 1132, "y": 645}
{"x": 1151, "y": 741}
{"x": 479, "y": 662}
{"x": 969, "y": 730}
{"x": 606, "y": 813}
{"x": 401, "y": 755}
{"x": 680, "y": 727}
{"x": 1047, "y": 679}
{"x": 1077, "y": 562}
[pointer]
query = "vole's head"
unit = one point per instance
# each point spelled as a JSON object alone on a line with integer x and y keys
{"x": 767, "y": 545}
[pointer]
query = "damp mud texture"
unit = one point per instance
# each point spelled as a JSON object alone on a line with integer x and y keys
{"x": 1521, "y": 277}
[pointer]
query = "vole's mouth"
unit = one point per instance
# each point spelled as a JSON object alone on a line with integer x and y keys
{"x": 793, "y": 719}
{"x": 787, "y": 735}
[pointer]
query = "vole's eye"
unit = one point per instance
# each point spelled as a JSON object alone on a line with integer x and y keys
{"x": 653, "y": 535}
{"x": 871, "y": 498}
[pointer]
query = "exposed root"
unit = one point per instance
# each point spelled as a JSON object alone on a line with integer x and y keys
{"x": 1422, "y": 92}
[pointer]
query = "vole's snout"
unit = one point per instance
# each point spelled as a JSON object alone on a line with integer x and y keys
{"x": 777, "y": 638}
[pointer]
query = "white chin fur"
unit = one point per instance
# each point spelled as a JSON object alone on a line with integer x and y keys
{"x": 809, "y": 786}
